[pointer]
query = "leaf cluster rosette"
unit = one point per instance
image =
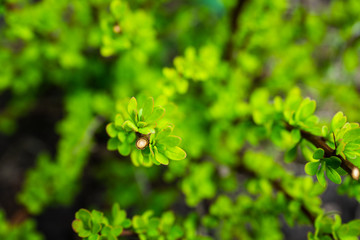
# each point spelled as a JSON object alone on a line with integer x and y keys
{"x": 140, "y": 136}
{"x": 95, "y": 226}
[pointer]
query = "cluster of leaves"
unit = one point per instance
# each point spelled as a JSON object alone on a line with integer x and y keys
{"x": 140, "y": 135}
{"x": 329, "y": 165}
{"x": 329, "y": 226}
{"x": 125, "y": 29}
{"x": 57, "y": 181}
{"x": 25, "y": 230}
{"x": 95, "y": 226}
{"x": 293, "y": 118}
{"x": 225, "y": 68}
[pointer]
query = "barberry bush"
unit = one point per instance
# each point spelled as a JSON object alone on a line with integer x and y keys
{"x": 170, "y": 119}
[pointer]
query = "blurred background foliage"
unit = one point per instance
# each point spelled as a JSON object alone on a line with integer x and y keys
{"x": 68, "y": 67}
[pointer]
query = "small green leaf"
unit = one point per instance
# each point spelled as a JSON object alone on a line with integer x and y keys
{"x": 131, "y": 138}
{"x": 350, "y": 229}
{"x": 312, "y": 167}
{"x": 333, "y": 175}
{"x": 124, "y": 149}
{"x": 147, "y": 130}
{"x": 142, "y": 124}
{"x": 116, "y": 230}
{"x": 333, "y": 162}
{"x": 160, "y": 157}
{"x": 156, "y": 114}
{"x": 112, "y": 144}
{"x": 319, "y": 153}
{"x": 171, "y": 141}
{"x": 164, "y": 133}
{"x": 291, "y": 154}
{"x": 137, "y": 158}
{"x": 77, "y": 225}
{"x": 119, "y": 120}
{"x": 106, "y": 231}
{"x": 132, "y": 108}
{"x": 320, "y": 175}
{"x": 121, "y": 136}
{"x": 341, "y": 171}
{"x": 338, "y": 121}
{"x": 351, "y": 135}
{"x": 111, "y": 130}
{"x": 130, "y": 126}
{"x": 85, "y": 216}
{"x": 306, "y": 109}
{"x": 94, "y": 237}
{"x": 148, "y": 108}
{"x": 96, "y": 218}
{"x": 175, "y": 153}
{"x": 324, "y": 131}
{"x": 126, "y": 223}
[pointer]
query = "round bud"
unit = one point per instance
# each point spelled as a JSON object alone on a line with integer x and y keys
{"x": 117, "y": 29}
{"x": 142, "y": 142}
{"x": 355, "y": 173}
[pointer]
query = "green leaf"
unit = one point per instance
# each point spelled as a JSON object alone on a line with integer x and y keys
{"x": 138, "y": 222}
{"x": 306, "y": 109}
{"x": 130, "y": 126}
{"x": 116, "y": 230}
{"x": 170, "y": 141}
{"x": 338, "y": 121}
{"x": 324, "y": 131}
{"x": 160, "y": 157}
{"x": 350, "y": 229}
{"x": 124, "y": 149}
{"x": 119, "y": 120}
{"x": 111, "y": 130}
{"x": 94, "y": 237}
{"x": 85, "y": 216}
{"x": 137, "y": 158}
{"x": 333, "y": 175}
{"x": 148, "y": 108}
{"x": 132, "y": 109}
{"x": 319, "y": 153}
{"x": 333, "y": 162}
{"x": 341, "y": 171}
{"x": 131, "y": 138}
{"x": 164, "y": 133}
{"x": 142, "y": 124}
{"x": 147, "y": 130}
{"x": 112, "y": 144}
{"x": 291, "y": 154}
{"x": 175, "y": 153}
{"x": 121, "y": 136}
{"x": 156, "y": 114}
{"x": 126, "y": 223}
{"x": 312, "y": 167}
{"x": 351, "y": 135}
{"x": 77, "y": 225}
{"x": 320, "y": 175}
{"x": 96, "y": 218}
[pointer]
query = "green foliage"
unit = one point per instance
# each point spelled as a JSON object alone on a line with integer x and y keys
{"x": 330, "y": 227}
{"x": 94, "y": 225}
{"x": 56, "y": 181}
{"x": 249, "y": 85}
{"x": 140, "y": 135}
{"x": 25, "y": 230}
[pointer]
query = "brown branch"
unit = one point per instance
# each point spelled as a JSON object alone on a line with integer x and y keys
{"x": 320, "y": 142}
